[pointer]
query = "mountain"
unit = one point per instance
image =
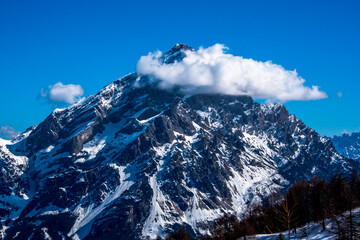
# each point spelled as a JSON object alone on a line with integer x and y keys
{"x": 348, "y": 145}
{"x": 136, "y": 161}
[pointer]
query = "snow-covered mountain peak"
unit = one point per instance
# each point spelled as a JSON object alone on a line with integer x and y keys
{"x": 175, "y": 54}
{"x": 135, "y": 161}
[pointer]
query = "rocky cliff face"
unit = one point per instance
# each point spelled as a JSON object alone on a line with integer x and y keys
{"x": 134, "y": 161}
{"x": 348, "y": 145}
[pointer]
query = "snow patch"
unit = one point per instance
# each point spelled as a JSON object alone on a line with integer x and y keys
{"x": 87, "y": 215}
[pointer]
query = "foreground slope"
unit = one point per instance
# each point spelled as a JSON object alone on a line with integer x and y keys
{"x": 135, "y": 161}
{"x": 336, "y": 228}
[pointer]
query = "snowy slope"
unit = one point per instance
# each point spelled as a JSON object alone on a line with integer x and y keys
{"x": 13, "y": 196}
{"x": 315, "y": 231}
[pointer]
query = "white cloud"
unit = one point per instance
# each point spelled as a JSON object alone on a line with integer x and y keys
{"x": 339, "y": 94}
{"x": 8, "y": 132}
{"x": 211, "y": 70}
{"x": 61, "y": 93}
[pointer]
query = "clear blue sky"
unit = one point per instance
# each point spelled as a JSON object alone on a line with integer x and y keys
{"x": 92, "y": 43}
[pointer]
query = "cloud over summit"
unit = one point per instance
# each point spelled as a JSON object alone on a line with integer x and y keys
{"x": 212, "y": 70}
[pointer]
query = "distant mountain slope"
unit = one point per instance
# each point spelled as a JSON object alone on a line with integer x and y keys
{"x": 134, "y": 161}
{"x": 348, "y": 145}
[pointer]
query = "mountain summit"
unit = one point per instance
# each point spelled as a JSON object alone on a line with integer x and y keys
{"x": 135, "y": 161}
{"x": 176, "y": 54}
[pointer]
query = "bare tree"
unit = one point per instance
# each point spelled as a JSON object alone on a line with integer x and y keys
{"x": 286, "y": 215}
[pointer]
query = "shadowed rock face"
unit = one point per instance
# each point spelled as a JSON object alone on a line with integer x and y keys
{"x": 134, "y": 161}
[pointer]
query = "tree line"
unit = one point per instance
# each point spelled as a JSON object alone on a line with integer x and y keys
{"x": 306, "y": 201}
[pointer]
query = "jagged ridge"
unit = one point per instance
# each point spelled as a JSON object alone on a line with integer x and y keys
{"x": 348, "y": 145}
